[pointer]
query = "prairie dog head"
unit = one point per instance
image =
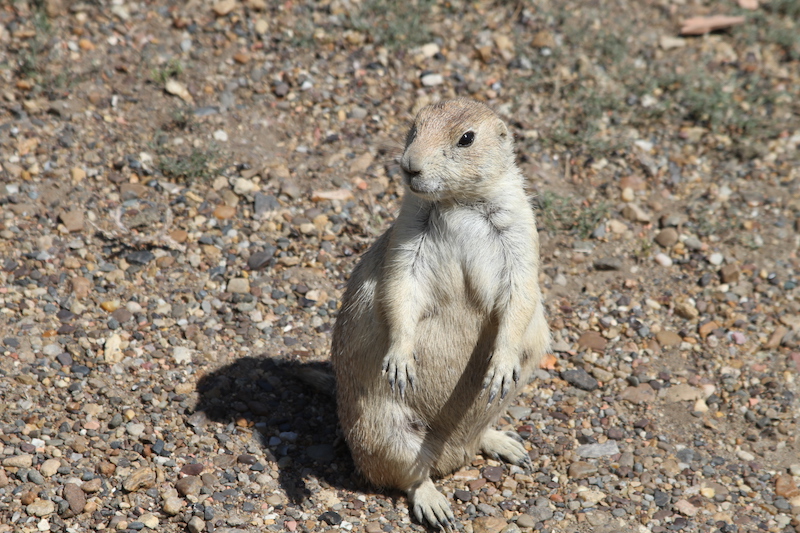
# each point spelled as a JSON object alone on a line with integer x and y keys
{"x": 456, "y": 149}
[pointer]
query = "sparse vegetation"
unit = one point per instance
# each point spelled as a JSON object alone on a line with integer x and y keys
{"x": 560, "y": 213}
{"x": 171, "y": 69}
{"x": 198, "y": 164}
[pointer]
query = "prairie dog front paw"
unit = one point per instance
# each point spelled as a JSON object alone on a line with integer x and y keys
{"x": 503, "y": 373}
{"x": 399, "y": 369}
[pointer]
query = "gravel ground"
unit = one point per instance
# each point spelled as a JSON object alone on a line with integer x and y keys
{"x": 185, "y": 187}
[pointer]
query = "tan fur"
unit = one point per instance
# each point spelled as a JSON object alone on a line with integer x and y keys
{"x": 442, "y": 321}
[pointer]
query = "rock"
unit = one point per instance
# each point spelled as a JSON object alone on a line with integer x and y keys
{"x": 578, "y": 378}
{"x": 431, "y": 80}
{"x": 290, "y": 189}
{"x": 608, "y": 263}
{"x": 591, "y": 496}
{"x": 41, "y": 508}
{"x": 221, "y": 136}
{"x": 687, "y": 310}
{"x": 112, "y": 349}
{"x": 182, "y": 354}
{"x": 661, "y": 498}
{"x": 72, "y": 220}
{"x": 196, "y": 525}
{"x": 19, "y": 461}
{"x": 638, "y": 395}
{"x": 488, "y": 524}
{"x": 592, "y": 340}
{"x": 628, "y": 194}
{"x": 682, "y": 392}
{"x": 75, "y": 497}
{"x": 78, "y": 175}
{"x": 493, "y": 473}
{"x": 149, "y": 520}
{"x": 81, "y": 287}
{"x": 92, "y": 486}
{"x": 140, "y": 257}
{"x": 337, "y": 194}
{"x": 667, "y": 237}
{"x": 785, "y": 487}
{"x": 321, "y": 453}
{"x": 663, "y": 259}
{"x": 729, "y": 273}
{"x": 668, "y": 338}
{"x": 224, "y": 212}
{"x": 143, "y": 478}
{"x": 593, "y": 451}
{"x": 224, "y": 7}
{"x": 716, "y": 258}
{"x": 178, "y": 89}
{"x": 634, "y": 213}
{"x": 242, "y": 58}
{"x": 526, "y": 521}
{"x": 264, "y": 203}
{"x": 260, "y": 260}
{"x": 189, "y": 486}
{"x": 581, "y": 469}
{"x": 50, "y": 467}
{"x": 239, "y": 286}
{"x": 331, "y": 518}
{"x": 172, "y": 506}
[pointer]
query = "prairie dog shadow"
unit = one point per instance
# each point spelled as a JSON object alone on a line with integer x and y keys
{"x": 294, "y": 423}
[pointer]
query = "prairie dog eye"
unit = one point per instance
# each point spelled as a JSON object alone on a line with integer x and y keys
{"x": 467, "y": 139}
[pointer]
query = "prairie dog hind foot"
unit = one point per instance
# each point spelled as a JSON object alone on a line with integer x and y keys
{"x": 431, "y": 506}
{"x": 505, "y": 446}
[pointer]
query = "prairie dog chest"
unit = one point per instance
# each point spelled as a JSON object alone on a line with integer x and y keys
{"x": 471, "y": 250}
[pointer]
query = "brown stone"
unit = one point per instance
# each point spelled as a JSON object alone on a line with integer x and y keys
{"x": 241, "y": 57}
{"x": 668, "y": 338}
{"x": 543, "y": 39}
{"x": 592, "y": 340}
{"x": 705, "y": 329}
{"x": 785, "y": 487}
{"x": 224, "y": 212}
{"x": 92, "y": 486}
{"x": 667, "y": 237}
{"x": 776, "y": 338}
{"x": 224, "y": 7}
{"x": 189, "y": 486}
{"x": 581, "y": 469}
{"x": 686, "y": 310}
{"x": 107, "y": 469}
{"x": 143, "y": 478}
{"x": 72, "y": 220}
{"x": 635, "y": 213}
{"x": 165, "y": 261}
{"x": 729, "y": 273}
{"x": 639, "y": 395}
{"x": 75, "y": 497}
{"x": 86, "y": 45}
{"x": 488, "y": 524}
{"x": 129, "y": 191}
{"x": 179, "y": 235}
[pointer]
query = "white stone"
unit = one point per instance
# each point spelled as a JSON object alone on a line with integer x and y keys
{"x": 112, "y": 349}
{"x": 715, "y": 259}
{"x": 431, "y": 80}
{"x": 243, "y": 186}
{"x": 663, "y": 259}
{"x": 182, "y": 354}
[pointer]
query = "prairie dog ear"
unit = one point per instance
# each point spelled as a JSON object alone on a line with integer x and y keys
{"x": 501, "y": 129}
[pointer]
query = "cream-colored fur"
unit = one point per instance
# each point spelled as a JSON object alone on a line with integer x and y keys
{"x": 442, "y": 320}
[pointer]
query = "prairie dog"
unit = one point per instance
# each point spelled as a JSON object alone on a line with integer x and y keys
{"x": 442, "y": 320}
